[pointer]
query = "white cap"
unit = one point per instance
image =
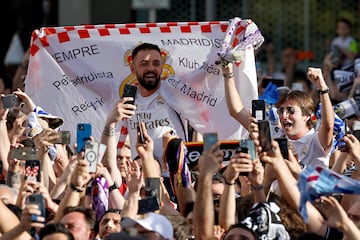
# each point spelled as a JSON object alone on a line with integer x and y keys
{"x": 152, "y": 222}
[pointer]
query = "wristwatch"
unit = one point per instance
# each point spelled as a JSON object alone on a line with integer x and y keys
{"x": 114, "y": 186}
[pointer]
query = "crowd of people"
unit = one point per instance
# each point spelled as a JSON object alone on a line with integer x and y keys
{"x": 144, "y": 188}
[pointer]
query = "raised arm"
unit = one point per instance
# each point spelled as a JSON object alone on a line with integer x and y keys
{"x": 121, "y": 111}
{"x": 203, "y": 221}
{"x": 327, "y": 113}
{"x": 233, "y": 99}
{"x": 288, "y": 186}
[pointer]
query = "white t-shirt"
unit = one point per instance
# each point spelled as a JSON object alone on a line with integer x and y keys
{"x": 310, "y": 151}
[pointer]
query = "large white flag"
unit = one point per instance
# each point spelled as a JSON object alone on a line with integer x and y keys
{"x": 79, "y": 72}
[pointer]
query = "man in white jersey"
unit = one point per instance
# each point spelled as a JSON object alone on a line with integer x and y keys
{"x": 151, "y": 108}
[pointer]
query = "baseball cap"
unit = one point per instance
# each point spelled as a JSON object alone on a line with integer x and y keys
{"x": 153, "y": 222}
{"x": 54, "y": 121}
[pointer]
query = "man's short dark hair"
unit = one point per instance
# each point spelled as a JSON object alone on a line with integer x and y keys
{"x": 52, "y": 228}
{"x": 89, "y": 214}
{"x": 111, "y": 210}
{"x": 144, "y": 46}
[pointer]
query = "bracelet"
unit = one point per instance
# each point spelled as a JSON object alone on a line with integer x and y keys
{"x": 321, "y": 92}
{"x": 257, "y": 188}
{"x": 229, "y": 75}
{"x": 228, "y": 183}
{"x": 109, "y": 131}
{"x": 76, "y": 189}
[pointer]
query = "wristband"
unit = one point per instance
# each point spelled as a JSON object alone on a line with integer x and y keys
{"x": 109, "y": 131}
{"x": 114, "y": 187}
{"x": 229, "y": 75}
{"x": 228, "y": 183}
{"x": 257, "y": 188}
{"x": 75, "y": 189}
{"x": 321, "y": 92}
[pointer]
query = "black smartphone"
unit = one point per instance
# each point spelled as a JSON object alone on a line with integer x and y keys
{"x": 258, "y": 109}
{"x": 83, "y": 134}
{"x": 10, "y": 101}
{"x": 32, "y": 170}
{"x": 243, "y": 148}
{"x": 64, "y": 138}
{"x": 265, "y": 135}
{"x": 38, "y": 199}
{"x": 148, "y": 204}
{"x": 283, "y": 145}
{"x": 210, "y": 139}
{"x": 130, "y": 91}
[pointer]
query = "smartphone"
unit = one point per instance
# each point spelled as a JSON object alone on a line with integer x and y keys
{"x": 283, "y": 144}
{"x": 140, "y": 131}
{"x": 91, "y": 155}
{"x": 210, "y": 139}
{"x": 130, "y": 91}
{"x": 32, "y": 170}
{"x": 64, "y": 138}
{"x": 10, "y": 101}
{"x": 152, "y": 187}
{"x": 23, "y": 153}
{"x": 243, "y": 148}
{"x": 258, "y": 109}
{"x": 265, "y": 135}
{"x": 38, "y": 199}
{"x": 83, "y": 134}
{"x": 148, "y": 204}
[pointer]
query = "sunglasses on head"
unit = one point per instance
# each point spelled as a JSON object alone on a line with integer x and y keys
{"x": 289, "y": 110}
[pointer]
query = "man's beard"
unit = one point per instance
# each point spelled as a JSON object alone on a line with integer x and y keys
{"x": 148, "y": 85}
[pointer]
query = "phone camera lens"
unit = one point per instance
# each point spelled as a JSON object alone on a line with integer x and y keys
{"x": 81, "y": 127}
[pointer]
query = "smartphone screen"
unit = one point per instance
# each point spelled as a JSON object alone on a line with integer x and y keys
{"x": 130, "y": 91}
{"x": 258, "y": 109}
{"x": 32, "y": 170}
{"x": 283, "y": 144}
{"x": 277, "y": 82}
{"x": 140, "y": 131}
{"x": 209, "y": 140}
{"x": 265, "y": 135}
{"x": 83, "y": 134}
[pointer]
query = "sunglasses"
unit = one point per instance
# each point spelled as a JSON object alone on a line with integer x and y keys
{"x": 289, "y": 110}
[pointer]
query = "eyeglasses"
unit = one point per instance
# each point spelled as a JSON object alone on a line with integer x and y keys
{"x": 289, "y": 110}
